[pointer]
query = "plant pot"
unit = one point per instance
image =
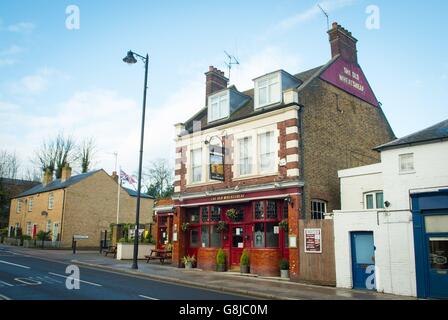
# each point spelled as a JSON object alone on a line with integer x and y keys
{"x": 221, "y": 267}
{"x": 284, "y": 274}
{"x": 244, "y": 269}
{"x": 189, "y": 265}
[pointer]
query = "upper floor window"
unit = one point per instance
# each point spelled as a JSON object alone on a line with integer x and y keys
{"x": 218, "y": 106}
{"x": 245, "y": 156}
{"x": 30, "y": 204}
{"x": 196, "y": 165}
{"x": 267, "y": 90}
{"x": 318, "y": 209}
{"x": 406, "y": 163}
{"x": 19, "y": 205}
{"x": 50, "y": 200}
{"x": 374, "y": 200}
{"x": 267, "y": 150}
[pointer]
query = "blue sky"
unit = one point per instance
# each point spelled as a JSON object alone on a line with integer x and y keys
{"x": 54, "y": 79}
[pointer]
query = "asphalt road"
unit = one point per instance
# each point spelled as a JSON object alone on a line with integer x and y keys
{"x": 25, "y": 277}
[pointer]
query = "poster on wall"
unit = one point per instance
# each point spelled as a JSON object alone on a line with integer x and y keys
{"x": 313, "y": 240}
{"x": 216, "y": 163}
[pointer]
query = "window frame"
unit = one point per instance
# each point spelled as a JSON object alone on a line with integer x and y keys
{"x": 51, "y": 201}
{"x": 209, "y": 224}
{"x": 401, "y": 157}
{"x": 30, "y": 204}
{"x": 193, "y": 166}
{"x": 265, "y": 221}
{"x": 320, "y": 214}
{"x": 272, "y": 145}
{"x": 249, "y": 158}
{"x": 220, "y": 96}
{"x": 271, "y": 79}
{"x": 19, "y": 206}
{"x": 374, "y": 200}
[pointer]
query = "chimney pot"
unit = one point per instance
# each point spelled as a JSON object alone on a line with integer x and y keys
{"x": 115, "y": 176}
{"x": 343, "y": 43}
{"x": 66, "y": 173}
{"x": 214, "y": 81}
{"x": 47, "y": 177}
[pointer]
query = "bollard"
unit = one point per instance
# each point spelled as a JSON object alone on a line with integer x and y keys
{"x": 74, "y": 245}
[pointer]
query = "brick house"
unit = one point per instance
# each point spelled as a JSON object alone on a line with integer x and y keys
{"x": 84, "y": 204}
{"x": 272, "y": 154}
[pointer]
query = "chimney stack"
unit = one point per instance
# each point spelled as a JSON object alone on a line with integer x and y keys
{"x": 214, "y": 81}
{"x": 66, "y": 173}
{"x": 343, "y": 43}
{"x": 47, "y": 177}
{"x": 115, "y": 176}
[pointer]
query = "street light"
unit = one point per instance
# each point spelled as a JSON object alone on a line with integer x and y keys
{"x": 130, "y": 59}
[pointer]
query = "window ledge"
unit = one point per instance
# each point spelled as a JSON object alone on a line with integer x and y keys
{"x": 254, "y": 176}
{"x": 406, "y": 172}
{"x": 201, "y": 184}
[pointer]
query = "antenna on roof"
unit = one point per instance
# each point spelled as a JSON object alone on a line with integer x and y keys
{"x": 232, "y": 61}
{"x": 326, "y": 15}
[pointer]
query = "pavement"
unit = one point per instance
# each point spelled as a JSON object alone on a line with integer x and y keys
{"x": 227, "y": 283}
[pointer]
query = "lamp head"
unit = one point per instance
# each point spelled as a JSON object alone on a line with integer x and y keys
{"x": 130, "y": 59}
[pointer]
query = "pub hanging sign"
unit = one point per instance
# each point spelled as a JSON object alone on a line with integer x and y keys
{"x": 217, "y": 154}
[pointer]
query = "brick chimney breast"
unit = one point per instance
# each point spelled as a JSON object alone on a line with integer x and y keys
{"x": 47, "y": 177}
{"x": 343, "y": 43}
{"x": 214, "y": 82}
{"x": 66, "y": 173}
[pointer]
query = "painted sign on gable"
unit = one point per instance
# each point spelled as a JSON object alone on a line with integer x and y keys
{"x": 350, "y": 78}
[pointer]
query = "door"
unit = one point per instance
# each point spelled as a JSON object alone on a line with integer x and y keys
{"x": 193, "y": 241}
{"x": 34, "y": 231}
{"x": 438, "y": 265}
{"x": 163, "y": 237}
{"x": 55, "y": 231}
{"x": 363, "y": 260}
{"x": 236, "y": 244}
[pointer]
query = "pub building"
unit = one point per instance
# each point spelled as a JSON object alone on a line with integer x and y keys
{"x": 256, "y": 170}
{"x": 164, "y": 212}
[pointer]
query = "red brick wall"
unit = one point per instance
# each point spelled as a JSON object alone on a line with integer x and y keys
{"x": 265, "y": 262}
{"x": 207, "y": 258}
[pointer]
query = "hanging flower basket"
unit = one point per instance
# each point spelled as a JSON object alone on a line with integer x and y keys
{"x": 283, "y": 224}
{"x": 231, "y": 214}
{"x": 185, "y": 226}
{"x": 222, "y": 226}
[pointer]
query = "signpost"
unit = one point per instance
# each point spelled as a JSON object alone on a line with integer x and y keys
{"x": 74, "y": 240}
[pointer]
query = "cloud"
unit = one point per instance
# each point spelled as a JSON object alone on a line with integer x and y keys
{"x": 22, "y": 27}
{"x": 35, "y": 83}
{"x": 311, "y": 13}
{"x": 12, "y": 50}
{"x": 7, "y": 62}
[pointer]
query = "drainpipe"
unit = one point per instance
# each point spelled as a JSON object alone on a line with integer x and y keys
{"x": 62, "y": 216}
{"x": 302, "y": 159}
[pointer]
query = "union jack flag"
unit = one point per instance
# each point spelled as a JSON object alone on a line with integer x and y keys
{"x": 124, "y": 176}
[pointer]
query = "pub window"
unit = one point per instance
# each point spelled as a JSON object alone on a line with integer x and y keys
{"x": 285, "y": 210}
{"x": 245, "y": 163}
{"x": 193, "y": 215}
{"x": 194, "y": 238}
{"x": 267, "y": 149}
{"x": 210, "y": 237}
{"x": 196, "y": 165}
{"x": 318, "y": 209}
{"x": 266, "y": 229}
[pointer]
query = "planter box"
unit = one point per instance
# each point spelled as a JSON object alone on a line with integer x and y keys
{"x": 284, "y": 274}
{"x": 125, "y": 251}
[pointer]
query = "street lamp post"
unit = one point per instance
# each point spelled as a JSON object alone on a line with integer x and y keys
{"x": 130, "y": 59}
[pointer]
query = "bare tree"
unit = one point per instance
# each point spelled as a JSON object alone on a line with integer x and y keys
{"x": 9, "y": 165}
{"x": 158, "y": 179}
{"x": 54, "y": 154}
{"x": 86, "y": 151}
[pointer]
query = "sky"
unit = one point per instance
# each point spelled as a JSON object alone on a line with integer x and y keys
{"x": 55, "y": 78}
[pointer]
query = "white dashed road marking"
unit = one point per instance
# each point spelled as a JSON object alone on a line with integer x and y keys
{"x": 2, "y": 297}
{"x": 87, "y": 282}
{"x": 14, "y": 264}
{"x": 6, "y": 284}
{"x": 146, "y": 297}
{"x": 28, "y": 281}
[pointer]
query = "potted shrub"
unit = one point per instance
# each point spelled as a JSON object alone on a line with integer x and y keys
{"x": 284, "y": 225}
{"x": 284, "y": 268}
{"x": 220, "y": 261}
{"x": 188, "y": 261}
{"x": 244, "y": 262}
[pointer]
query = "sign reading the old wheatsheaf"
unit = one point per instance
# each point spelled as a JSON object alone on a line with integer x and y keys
{"x": 350, "y": 78}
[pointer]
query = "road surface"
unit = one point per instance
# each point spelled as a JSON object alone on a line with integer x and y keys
{"x": 24, "y": 277}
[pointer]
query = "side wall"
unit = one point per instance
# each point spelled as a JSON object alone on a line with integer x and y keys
{"x": 339, "y": 132}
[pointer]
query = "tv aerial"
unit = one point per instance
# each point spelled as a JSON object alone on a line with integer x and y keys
{"x": 326, "y": 15}
{"x": 232, "y": 61}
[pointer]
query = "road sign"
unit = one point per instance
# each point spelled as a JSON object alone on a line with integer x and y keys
{"x": 79, "y": 237}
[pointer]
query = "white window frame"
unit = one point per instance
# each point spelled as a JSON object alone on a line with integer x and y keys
{"x": 200, "y": 166}
{"x": 274, "y": 151}
{"x": 271, "y": 97}
{"x": 48, "y": 226}
{"x": 373, "y": 194}
{"x": 223, "y": 104}
{"x": 50, "y": 201}
{"x": 401, "y": 159}
{"x": 19, "y": 205}
{"x": 28, "y": 228}
{"x": 249, "y": 156}
{"x": 30, "y": 204}
{"x": 314, "y": 212}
